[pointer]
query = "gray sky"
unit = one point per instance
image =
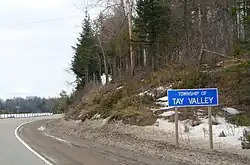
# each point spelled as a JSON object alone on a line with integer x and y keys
{"x": 33, "y": 57}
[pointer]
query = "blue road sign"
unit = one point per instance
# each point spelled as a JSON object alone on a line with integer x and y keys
{"x": 193, "y": 97}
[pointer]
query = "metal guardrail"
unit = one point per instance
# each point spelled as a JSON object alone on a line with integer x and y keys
{"x": 23, "y": 115}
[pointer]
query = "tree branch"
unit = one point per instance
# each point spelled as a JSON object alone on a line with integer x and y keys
{"x": 223, "y": 55}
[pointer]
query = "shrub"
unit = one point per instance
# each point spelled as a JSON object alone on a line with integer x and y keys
{"x": 97, "y": 99}
{"x": 245, "y": 141}
{"x": 197, "y": 80}
{"x": 239, "y": 120}
{"x": 215, "y": 121}
{"x": 147, "y": 99}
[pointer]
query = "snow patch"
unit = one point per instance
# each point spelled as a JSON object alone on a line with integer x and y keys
{"x": 165, "y": 108}
{"x": 146, "y": 93}
{"x": 165, "y": 98}
{"x": 168, "y": 113}
{"x": 163, "y": 101}
{"x": 96, "y": 116}
{"x": 119, "y": 87}
{"x": 42, "y": 128}
{"x": 200, "y": 133}
{"x": 231, "y": 111}
{"x": 103, "y": 79}
{"x": 162, "y": 88}
{"x": 165, "y": 104}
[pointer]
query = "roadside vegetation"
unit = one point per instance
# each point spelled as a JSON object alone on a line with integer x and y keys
{"x": 124, "y": 61}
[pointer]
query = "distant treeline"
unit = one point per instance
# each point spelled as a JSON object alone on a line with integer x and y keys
{"x": 28, "y": 104}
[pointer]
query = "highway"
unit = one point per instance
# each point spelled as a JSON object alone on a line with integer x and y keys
{"x": 23, "y": 142}
{"x": 12, "y": 151}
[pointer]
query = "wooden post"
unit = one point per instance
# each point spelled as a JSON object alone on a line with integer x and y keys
{"x": 176, "y": 128}
{"x": 210, "y": 127}
{"x": 130, "y": 37}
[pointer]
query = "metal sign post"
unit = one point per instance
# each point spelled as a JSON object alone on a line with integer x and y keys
{"x": 206, "y": 97}
{"x": 176, "y": 128}
{"x": 210, "y": 127}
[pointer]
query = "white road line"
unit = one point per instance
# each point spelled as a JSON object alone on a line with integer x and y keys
{"x": 59, "y": 139}
{"x": 28, "y": 147}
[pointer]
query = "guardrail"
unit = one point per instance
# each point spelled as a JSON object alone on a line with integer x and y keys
{"x": 23, "y": 115}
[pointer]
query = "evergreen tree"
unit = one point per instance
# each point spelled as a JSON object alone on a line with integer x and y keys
{"x": 83, "y": 63}
{"x": 151, "y": 25}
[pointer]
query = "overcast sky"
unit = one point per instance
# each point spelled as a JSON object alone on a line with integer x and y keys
{"x": 34, "y": 56}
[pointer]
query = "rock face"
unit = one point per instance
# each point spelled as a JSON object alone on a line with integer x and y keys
{"x": 245, "y": 144}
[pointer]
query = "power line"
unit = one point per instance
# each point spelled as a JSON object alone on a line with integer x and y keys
{"x": 43, "y": 21}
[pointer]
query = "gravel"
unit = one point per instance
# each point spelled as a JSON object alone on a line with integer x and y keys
{"x": 142, "y": 140}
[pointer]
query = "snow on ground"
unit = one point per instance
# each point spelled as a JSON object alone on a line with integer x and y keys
{"x": 165, "y": 108}
{"x": 96, "y": 116}
{"x": 146, "y": 93}
{"x": 119, "y": 87}
{"x": 165, "y": 98}
{"x": 161, "y": 88}
{"x": 103, "y": 78}
{"x": 163, "y": 101}
{"x": 42, "y": 128}
{"x": 164, "y": 104}
{"x": 168, "y": 113}
{"x": 164, "y": 88}
{"x": 200, "y": 132}
{"x": 231, "y": 111}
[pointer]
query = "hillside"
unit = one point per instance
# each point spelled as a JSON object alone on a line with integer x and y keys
{"x": 147, "y": 48}
{"x": 134, "y": 100}
{"x": 154, "y": 46}
{"x": 132, "y": 114}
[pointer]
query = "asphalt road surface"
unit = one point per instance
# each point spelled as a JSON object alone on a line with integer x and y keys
{"x": 28, "y": 144}
{"x": 70, "y": 152}
{"x": 12, "y": 151}
{"x": 58, "y": 151}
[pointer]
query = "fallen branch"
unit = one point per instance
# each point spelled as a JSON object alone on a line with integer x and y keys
{"x": 223, "y": 55}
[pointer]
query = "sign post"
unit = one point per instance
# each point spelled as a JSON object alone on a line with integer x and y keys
{"x": 176, "y": 127}
{"x": 204, "y": 97}
{"x": 210, "y": 127}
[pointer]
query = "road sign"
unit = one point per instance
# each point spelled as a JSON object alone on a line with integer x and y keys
{"x": 193, "y": 98}
{"x": 205, "y": 97}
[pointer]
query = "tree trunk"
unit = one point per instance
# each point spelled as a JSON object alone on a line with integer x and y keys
{"x": 104, "y": 60}
{"x": 153, "y": 63}
{"x": 114, "y": 69}
{"x": 201, "y": 36}
{"x": 130, "y": 38}
{"x": 111, "y": 69}
{"x": 138, "y": 55}
{"x": 86, "y": 77}
{"x": 94, "y": 79}
{"x": 100, "y": 71}
{"x": 144, "y": 57}
{"x": 120, "y": 62}
{"x": 188, "y": 45}
{"x": 127, "y": 63}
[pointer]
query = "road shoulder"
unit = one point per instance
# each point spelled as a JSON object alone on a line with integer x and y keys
{"x": 136, "y": 140}
{"x": 66, "y": 150}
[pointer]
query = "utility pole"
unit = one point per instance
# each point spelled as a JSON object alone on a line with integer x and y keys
{"x": 130, "y": 37}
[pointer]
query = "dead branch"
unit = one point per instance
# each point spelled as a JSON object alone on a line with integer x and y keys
{"x": 223, "y": 55}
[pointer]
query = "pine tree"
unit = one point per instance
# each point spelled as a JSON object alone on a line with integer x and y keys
{"x": 83, "y": 63}
{"x": 151, "y": 25}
